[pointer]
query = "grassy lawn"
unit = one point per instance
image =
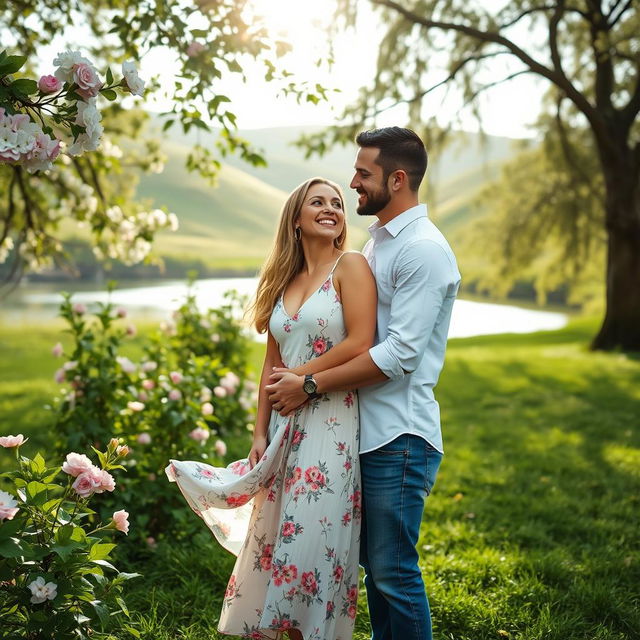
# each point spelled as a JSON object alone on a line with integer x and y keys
{"x": 532, "y": 529}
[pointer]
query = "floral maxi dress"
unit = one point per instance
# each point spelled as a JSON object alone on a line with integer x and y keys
{"x": 294, "y": 519}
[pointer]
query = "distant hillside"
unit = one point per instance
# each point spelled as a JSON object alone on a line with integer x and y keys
{"x": 232, "y": 225}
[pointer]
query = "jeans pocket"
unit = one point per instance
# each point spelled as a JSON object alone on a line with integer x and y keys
{"x": 398, "y": 447}
{"x": 433, "y": 458}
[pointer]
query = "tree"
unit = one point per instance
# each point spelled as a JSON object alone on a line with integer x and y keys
{"x": 588, "y": 52}
{"x": 210, "y": 39}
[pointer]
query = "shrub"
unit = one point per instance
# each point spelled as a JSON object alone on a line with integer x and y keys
{"x": 55, "y": 571}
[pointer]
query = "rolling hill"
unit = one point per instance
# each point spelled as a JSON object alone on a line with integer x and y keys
{"x": 231, "y": 226}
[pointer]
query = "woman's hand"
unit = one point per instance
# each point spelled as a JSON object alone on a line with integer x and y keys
{"x": 257, "y": 450}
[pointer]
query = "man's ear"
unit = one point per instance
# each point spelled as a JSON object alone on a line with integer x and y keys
{"x": 398, "y": 180}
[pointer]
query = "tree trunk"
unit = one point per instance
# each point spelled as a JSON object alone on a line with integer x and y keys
{"x": 621, "y": 325}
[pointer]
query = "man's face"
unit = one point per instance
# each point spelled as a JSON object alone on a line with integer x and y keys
{"x": 369, "y": 183}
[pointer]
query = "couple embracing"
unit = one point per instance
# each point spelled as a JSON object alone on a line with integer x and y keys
{"x": 347, "y": 440}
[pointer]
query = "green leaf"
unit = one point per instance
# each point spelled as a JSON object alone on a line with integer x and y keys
{"x": 109, "y": 76}
{"x": 24, "y": 87}
{"x": 37, "y": 492}
{"x": 38, "y": 464}
{"x": 11, "y": 64}
{"x": 101, "y": 457}
{"x": 11, "y": 548}
{"x": 109, "y": 94}
{"x": 104, "y": 563}
{"x": 134, "y": 632}
{"x": 123, "y": 606}
{"x": 99, "y": 551}
{"x": 102, "y": 611}
{"x": 65, "y": 550}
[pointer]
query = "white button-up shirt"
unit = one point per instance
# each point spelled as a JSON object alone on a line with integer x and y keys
{"x": 417, "y": 279}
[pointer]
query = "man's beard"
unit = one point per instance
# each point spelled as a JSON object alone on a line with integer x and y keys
{"x": 375, "y": 202}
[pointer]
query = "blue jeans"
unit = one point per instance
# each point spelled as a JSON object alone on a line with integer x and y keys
{"x": 396, "y": 479}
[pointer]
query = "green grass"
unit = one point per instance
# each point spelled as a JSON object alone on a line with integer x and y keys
{"x": 531, "y": 532}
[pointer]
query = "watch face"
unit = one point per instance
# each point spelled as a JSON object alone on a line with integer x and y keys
{"x": 309, "y": 386}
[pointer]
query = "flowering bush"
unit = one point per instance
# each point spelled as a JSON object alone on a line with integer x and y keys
{"x": 65, "y": 100}
{"x": 58, "y": 118}
{"x": 166, "y": 405}
{"x": 55, "y": 571}
{"x": 217, "y": 338}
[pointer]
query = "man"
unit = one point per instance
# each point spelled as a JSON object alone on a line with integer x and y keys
{"x": 400, "y": 439}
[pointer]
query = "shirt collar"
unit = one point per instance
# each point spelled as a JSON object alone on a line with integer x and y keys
{"x": 397, "y": 224}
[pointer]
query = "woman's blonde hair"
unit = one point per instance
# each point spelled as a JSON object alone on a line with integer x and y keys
{"x": 286, "y": 258}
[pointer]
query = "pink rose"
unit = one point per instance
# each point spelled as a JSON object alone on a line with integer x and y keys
{"x": 151, "y": 542}
{"x": 12, "y": 441}
{"x": 135, "y": 406}
{"x": 85, "y": 76}
{"x": 288, "y": 529}
{"x": 77, "y": 463}
{"x": 88, "y": 483}
{"x": 220, "y": 447}
{"x": 220, "y": 392}
{"x": 143, "y": 438}
{"x": 230, "y": 382}
{"x": 148, "y": 384}
{"x": 194, "y": 49}
{"x": 175, "y": 394}
{"x": 49, "y": 84}
{"x": 107, "y": 483}
{"x": 131, "y": 330}
{"x": 121, "y": 521}
{"x": 57, "y": 350}
{"x": 59, "y": 375}
{"x": 207, "y": 409}
{"x": 121, "y": 312}
{"x": 79, "y": 308}
{"x": 149, "y": 366}
{"x": 199, "y": 434}
{"x": 142, "y": 396}
{"x": 175, "y": 377}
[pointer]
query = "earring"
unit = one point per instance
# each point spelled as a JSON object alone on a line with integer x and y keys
{"x": 298, "y": 234}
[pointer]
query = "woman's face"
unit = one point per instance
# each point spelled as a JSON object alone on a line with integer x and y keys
{"x": 321, "y": 214}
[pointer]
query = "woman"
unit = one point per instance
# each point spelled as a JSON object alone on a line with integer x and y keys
{"x": 296, "y": 521}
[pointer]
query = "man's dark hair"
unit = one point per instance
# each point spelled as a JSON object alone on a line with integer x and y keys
{"x": 399, "y": 149}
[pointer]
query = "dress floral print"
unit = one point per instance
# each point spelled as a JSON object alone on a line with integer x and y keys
{"x": 294, "y": 519}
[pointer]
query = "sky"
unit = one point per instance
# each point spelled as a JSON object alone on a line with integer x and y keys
{"x": 507, "y": 110}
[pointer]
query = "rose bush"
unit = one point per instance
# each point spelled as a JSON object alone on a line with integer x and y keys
{"x": 168, "y": 403}
{"x": 56, "y": 575}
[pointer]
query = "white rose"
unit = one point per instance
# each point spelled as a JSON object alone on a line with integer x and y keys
{"x": 42, "y": 592}
{"x": 65, "y": 62}
{"x": 130, "y": 73}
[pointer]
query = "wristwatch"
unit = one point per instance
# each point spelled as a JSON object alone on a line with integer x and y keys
{"x": 310, "y": 386}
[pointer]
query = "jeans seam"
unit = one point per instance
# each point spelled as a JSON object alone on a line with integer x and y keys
{"x": 408, "y": 598}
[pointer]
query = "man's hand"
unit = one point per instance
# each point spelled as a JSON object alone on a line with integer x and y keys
{"x": 285, "y": 391}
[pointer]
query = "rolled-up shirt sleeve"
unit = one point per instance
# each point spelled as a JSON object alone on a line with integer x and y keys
{"x": 422, "y": 275}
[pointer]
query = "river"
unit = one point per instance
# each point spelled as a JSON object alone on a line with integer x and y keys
{"x": 37, "y": 303}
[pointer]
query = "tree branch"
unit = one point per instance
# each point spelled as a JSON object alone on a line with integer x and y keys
{"x": 540, "y": 9}
{"x": 613, "y": 21}
{"x": 558, "y": 79}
